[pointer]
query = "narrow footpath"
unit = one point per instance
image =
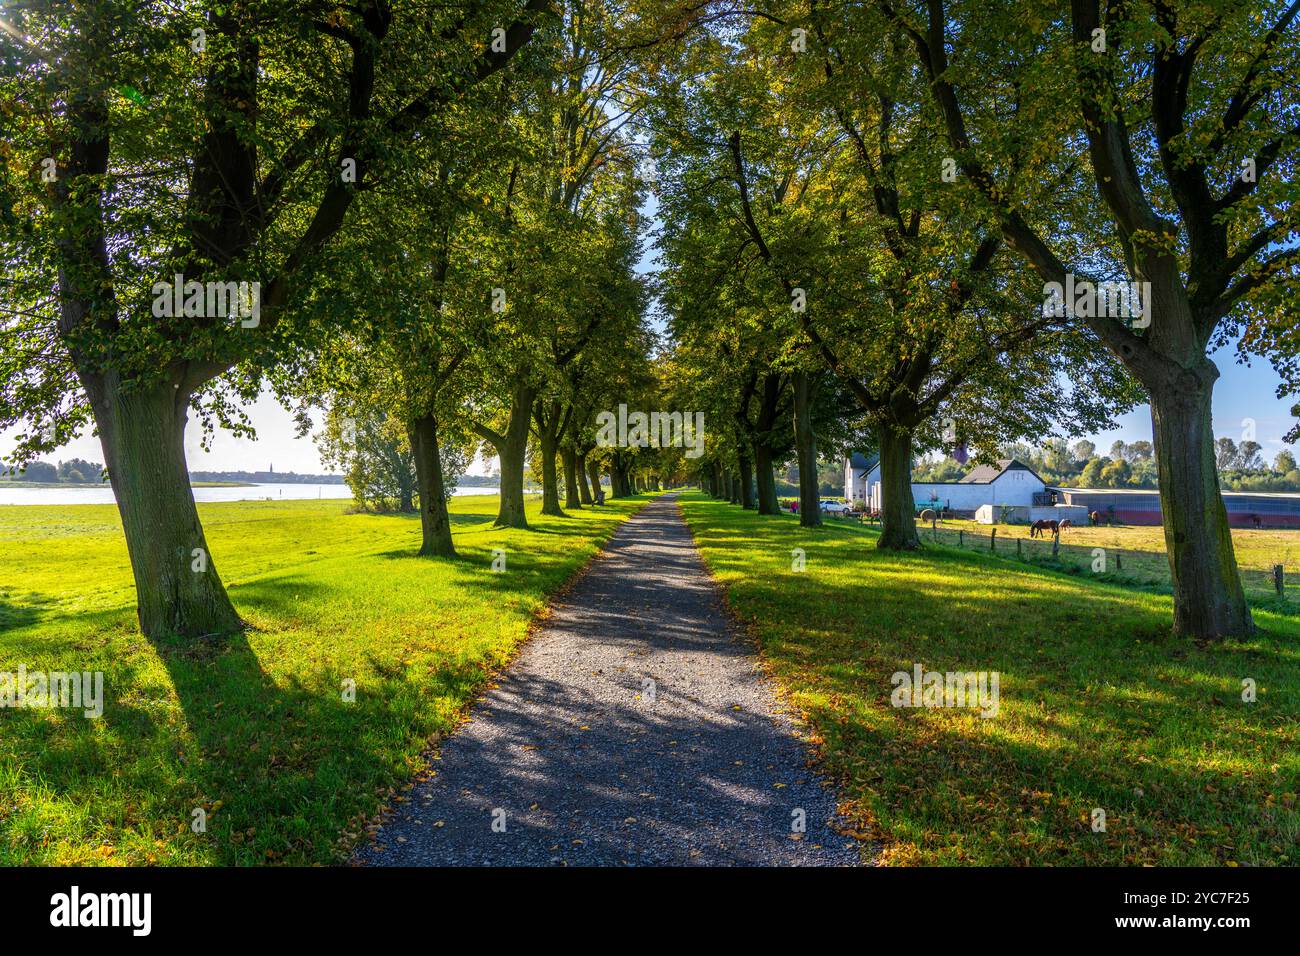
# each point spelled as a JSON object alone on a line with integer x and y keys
{"x": 635, "y": 728}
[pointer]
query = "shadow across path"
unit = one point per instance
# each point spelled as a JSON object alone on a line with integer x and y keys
{"x": 635, "y": 729}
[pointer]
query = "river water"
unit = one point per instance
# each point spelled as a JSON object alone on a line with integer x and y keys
{"x": 14, "y": 494}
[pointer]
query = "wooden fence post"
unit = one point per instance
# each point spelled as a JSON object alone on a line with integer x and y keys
{"x": 1018, "y": 540}
{"x": 1119, "y": 562}
{"x": 961, "y": 538}
{"x": 993, "y": 539}
{"x": 1056, "y": 543}
{"x": 1279, "y": 582}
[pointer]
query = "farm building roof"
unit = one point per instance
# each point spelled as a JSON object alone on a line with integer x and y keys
{"x": 984, "y": 474}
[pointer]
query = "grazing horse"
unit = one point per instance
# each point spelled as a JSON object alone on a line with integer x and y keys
{"x": 1066, "y": 523}
{"x": 1037, "y": 529}
{"x": 928, "y": 514}
{"x": 1259, "y": 522}
{"x": 1094, "y": 517}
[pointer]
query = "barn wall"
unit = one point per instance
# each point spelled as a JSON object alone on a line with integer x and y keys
{"x": 1011, "y": 488}
{"x": 1143, "y": 507}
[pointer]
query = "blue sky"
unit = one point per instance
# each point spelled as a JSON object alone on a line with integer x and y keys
{"x": 1242, "y": 392}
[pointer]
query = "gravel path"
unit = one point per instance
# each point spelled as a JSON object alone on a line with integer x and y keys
{"x": 585, "y": 762}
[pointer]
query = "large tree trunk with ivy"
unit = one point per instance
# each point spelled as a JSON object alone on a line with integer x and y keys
{"x": 897, "y": 507}
{"x": 142, "y": 432}
{"x": 435, "y": 522}
{"x": 766, "y": 479}
{"x": 1209, "y": 601}
{"x": 805, "y": 442}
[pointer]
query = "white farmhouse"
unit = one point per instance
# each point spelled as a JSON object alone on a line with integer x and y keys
{"x": 1008, "y": 483}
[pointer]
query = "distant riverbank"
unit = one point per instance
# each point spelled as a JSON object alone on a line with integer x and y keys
{"x": 21, "y": 493}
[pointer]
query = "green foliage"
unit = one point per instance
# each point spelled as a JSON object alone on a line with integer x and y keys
{"x": 372, "y": 451}
{"x": 805, "y": 228}
{"x": 40, "y": 471}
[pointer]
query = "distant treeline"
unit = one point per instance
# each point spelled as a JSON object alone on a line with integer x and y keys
{"x": 266, "y": 477}
{"x": 74, "y": 471}
{"x": 1241, "y": 467}
{"x": 79, "y": 472}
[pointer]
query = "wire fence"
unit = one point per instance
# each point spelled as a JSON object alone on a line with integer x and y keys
{"x": 1276, "y": 581}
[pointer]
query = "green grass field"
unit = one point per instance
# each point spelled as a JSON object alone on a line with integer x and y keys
{"x": 256, "y": 734}
{"x": 1100, "y": 707}
{"x": 1136, "y": 555}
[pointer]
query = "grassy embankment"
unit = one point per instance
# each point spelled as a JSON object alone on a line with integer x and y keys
{"x": 1100, "y": 707}
{"x": 257, "y": 734}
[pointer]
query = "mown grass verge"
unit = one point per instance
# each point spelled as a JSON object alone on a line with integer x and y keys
{"x": 256, "y": 733}
{"x": 1100, "y": 707}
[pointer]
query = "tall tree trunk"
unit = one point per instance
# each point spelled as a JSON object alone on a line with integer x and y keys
{"x": 406, "y": 483}
{"x": 897, "y": 507}
{"x": 178, "y": 590}
{"x": 512, "y": 450}
{"x": 435, "y": 522}
{"x": 584, "y": 492}
{"x": 716, "y": 473}
{"x": 570, "y": 459}
{"x": 728, "y": 491}
{"x": 1209, "y": 602}
{"x": 805, "y": 443}
{"x": 767, "y": 503}
{"x": 550, "y": 482}
{"x": 746, "y": 483}
{"x": 593, "y": 472}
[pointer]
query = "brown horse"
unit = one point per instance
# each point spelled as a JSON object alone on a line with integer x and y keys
{"x": 1066, "y": 523}
{"x": 1094, "y": 517}
{"x": 1038, "y": 528}
{"x": 1259, "y": 522}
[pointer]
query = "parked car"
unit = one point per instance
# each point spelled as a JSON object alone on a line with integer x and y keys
{"x": 835, "y": 508}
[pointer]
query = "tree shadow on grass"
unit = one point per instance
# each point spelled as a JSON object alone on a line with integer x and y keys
{"x": 292, "y": 757}
{"x": 279, "y": 762}
{"x": 14, "y": 614}
{"x": 1100, "y": 707}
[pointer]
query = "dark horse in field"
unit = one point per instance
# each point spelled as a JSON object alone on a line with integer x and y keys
{"x": 1038, "y": 528}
